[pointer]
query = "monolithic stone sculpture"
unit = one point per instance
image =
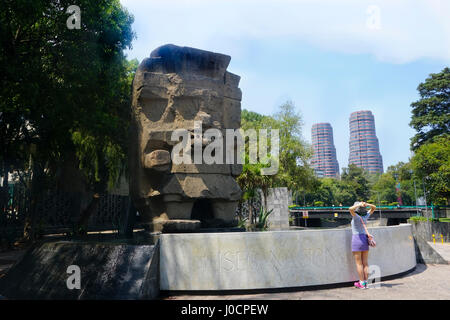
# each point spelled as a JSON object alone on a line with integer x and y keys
{"x": 178, "y": 88}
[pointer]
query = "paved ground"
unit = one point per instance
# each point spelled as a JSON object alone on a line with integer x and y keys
{"x": 442, "y": 248}
{"x": 7, "y": 259}
{"x": 426, "y": 282}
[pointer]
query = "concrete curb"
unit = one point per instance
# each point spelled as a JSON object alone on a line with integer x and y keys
{"x": 425, "y": 253}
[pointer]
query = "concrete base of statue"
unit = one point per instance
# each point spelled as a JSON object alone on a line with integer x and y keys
{"x": 79, "y": 270}
{"x": 277, "y": 259}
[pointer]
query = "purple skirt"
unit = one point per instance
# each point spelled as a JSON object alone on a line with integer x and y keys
{"x": 359, "y": 242}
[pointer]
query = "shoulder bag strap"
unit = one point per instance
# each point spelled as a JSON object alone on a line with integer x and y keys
{"x": 364, "y": 225}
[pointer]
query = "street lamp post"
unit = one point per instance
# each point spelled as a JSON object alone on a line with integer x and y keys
{"x": 415, "y": 192}
{"x": 379, "y": 208}
{"x": 425, "y": 196}
{"x": 397, "y": 189}
{"x": 415, "y": 196}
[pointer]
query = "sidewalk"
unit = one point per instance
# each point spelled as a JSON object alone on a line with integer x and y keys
{"x": 442, "y": 248}
{"x": 8, "y": 258}
{"x": 426, "y": 282}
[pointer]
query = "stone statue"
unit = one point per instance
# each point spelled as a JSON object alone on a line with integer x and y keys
{"x": 178, "y": 88}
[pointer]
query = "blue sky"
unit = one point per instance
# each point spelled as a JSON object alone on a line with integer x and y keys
{"x": 329, "y": 57}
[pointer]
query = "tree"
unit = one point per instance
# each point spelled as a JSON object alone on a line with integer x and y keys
{"x": 431, "y": 114}
{"x": 403, "y": 174}
{"x": 251, "y": 180}
{"x": 384, "y": 189}
{"x": 293, "y": 172}
{"x": 355, "y": 178}
{"x": 64, "y": 91}
{"x": 431, "y": 162}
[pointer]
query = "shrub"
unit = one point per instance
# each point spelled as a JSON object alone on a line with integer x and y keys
{"x": 416, "y": 219}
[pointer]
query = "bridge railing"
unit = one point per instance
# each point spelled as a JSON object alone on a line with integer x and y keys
{"x": 294, "y": 207}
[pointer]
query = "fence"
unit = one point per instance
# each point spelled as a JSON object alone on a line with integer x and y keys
{"x": 56, "y": 212}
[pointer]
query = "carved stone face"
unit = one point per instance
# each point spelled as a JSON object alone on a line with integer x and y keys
{"x": 176, "y": 88}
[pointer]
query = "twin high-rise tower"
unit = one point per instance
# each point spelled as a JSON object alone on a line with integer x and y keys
{"x": 364, "y": 147}
{"x": 324, "y": 159}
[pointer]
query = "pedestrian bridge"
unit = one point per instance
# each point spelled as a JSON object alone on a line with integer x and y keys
{"x": 343, "y": 212}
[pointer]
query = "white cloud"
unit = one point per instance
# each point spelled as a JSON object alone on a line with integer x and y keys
{"x": 264, "y": 39}
{"x": 409, "y": 29}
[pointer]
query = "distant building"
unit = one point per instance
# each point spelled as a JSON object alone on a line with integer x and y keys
{"x": 364, "y": 147}
{"x": 324, "y": 160}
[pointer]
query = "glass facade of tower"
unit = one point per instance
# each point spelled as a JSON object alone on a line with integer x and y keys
{"x": 324, "y": 159}
{"x": 364, "y": 147}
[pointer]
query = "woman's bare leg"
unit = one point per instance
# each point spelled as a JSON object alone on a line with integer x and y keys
{"x": 365, "y": 262}
{"x": 359, "y": 264}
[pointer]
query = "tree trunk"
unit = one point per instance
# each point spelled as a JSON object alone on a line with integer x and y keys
{"x": 29, "y": 230}
{"x": 265, "y": 192}
{"x": 250, "y": 213}
{"x": 99, "y": 188}
{"x": 83, "y": 221}
{"x": 127, "y": 221}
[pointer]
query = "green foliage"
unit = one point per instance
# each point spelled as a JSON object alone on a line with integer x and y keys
{"x": 357, "y": 185}
{"x": 251, "y": 179}
{"x": 353, "y": 186}
{"x": 431, "y": 162}
{"x": 261, "y": 223}
{"x": 291, "y": 220}
{"x": 318, "y": 203}
{"x": 416, "y": 219}
{"x": 242, "y": 222}
{"x": 294, "y": 153}
{"x": 384, "y": 188}
{"x": 355, "y": 178}
{"x": 262, "y": 219}
{"x": 65, "y": 91}
{"x": 430, "y": 114}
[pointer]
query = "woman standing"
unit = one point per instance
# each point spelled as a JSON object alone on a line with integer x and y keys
{"x": 360, "y": 244}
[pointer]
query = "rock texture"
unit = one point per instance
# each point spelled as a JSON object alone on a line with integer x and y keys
{"x": 175, "y": 88}
{"x": 116, "y": 271}
{"x": 278, "y": 201}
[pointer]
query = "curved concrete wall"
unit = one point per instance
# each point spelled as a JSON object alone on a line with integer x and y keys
{"x": 276, "y": 259}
